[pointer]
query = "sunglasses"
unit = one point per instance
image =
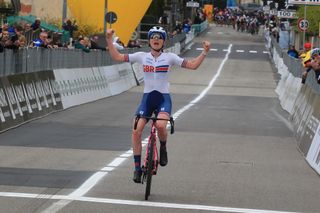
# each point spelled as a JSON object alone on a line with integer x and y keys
{"x": 156, "y": 36}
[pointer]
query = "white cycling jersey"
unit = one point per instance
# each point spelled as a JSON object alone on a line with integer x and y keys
{"x": 156, "y": 70}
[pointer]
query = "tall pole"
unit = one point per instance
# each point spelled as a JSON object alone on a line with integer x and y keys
{"x": 305, "y": 18}
{"x": 104, "y": 15}
{"x": 64, "y": 11}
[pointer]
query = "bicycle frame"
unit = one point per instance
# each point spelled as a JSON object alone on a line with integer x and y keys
{"x": 152, "y": 141}
{"x": 151, "y": 152}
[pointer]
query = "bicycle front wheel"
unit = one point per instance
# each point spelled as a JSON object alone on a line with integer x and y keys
{"x": 149, "y": 167}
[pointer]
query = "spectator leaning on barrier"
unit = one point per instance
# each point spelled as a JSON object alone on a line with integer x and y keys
{"x": 5, "y": 41}
{"x": 292, "y": 52}
{"x": 22, "y": 41}
{"x": 18, "y": 30}
{"x": 315, "y": 63}
{"x": 82, "y": 45}
{"x": 42, "y": 41}
{"x": 94, "y": 43}
{"x": 305, "y": 57}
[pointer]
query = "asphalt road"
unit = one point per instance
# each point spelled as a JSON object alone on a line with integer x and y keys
{"x": 233, "y": 150}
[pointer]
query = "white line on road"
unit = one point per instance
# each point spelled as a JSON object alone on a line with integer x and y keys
{"x": 116, "y": 162}
{"x": 238, "y": 51}
{"x": 211, "y": 49}
{"x": 68, "y": 199}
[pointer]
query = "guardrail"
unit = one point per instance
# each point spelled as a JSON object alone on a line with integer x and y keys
{"x": 36, "y": 81}
{"x": 295, "y": 66}
{"x": 199, "y": 28}
{"x": 38, "y": 59}
{"x": 301, "y": 101}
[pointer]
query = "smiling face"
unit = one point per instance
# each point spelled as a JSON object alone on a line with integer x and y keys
{"x": 156, "y": 41}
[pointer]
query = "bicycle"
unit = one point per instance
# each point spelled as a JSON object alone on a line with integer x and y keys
{"x": 150, "y": 162}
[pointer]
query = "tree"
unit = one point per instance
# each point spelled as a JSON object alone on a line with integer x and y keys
{"x": 312, "y": 16}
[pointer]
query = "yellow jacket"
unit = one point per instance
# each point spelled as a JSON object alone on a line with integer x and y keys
{"x": 306, "y": 57}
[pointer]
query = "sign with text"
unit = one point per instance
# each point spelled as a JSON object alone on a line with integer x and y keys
{"x": 305, "y": 2}
{"x": 287, "y": 14}
{"x": 303, "y": 24}
{"x": 192, "y": 4}
{"x": 273, "y": 12}
{"x": 313, "y": 156}
{"x": 266, "y": 9}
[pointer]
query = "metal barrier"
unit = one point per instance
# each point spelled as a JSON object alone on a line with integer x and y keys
{"x": 39, "y": 59}
{"x": 295, "y": 67}
{"x": 199, "y": 28}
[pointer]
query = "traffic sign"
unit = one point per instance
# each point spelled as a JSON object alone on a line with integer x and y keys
{"x": 193, "y": 4}
{"x": 111, "y": 17}
{"x": 273, "y": 12}
{"x": 303, "y": 24}
{"x": 287, "y": 14}
{"x": 304, "y": 2}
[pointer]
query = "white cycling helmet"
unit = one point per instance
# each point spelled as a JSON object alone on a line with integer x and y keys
{"x": 157, "y": 29}
{"x": 315, "y": 51}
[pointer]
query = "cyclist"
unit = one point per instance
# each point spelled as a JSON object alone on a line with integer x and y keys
{"x": 156, "y": 97}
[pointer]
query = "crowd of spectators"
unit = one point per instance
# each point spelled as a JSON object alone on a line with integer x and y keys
{"x": 26, "y": 35}
{"x": 310, "y": 60}
{"x": 11, "y": 37}
{"x": 33, "y": 35}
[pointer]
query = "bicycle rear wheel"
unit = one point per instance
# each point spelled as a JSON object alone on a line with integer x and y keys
{"x": 149, "y": 167}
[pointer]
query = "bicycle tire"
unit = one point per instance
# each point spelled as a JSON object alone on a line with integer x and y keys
{"x": 149, "y": 168}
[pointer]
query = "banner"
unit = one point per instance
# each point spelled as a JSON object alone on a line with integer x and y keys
{"x": 27, "y": 96}
{"x": 304, "y": 2}
{"x": 313, "y": 156}
{"x": 129, "y": 14}
{"x": 208, "y": 10}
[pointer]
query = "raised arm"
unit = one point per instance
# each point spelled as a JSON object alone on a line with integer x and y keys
{"x": 114, "y": 53}
{"x": 196, "y": 62}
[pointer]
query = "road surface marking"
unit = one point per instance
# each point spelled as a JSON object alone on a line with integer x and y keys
{"x": 68, "y": 199}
